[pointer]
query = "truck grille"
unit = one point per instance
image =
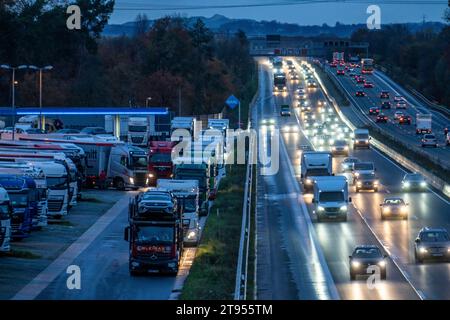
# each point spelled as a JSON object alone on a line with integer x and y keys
{"x": 140, "y": 179}
{"x": 54, "y": 205}
{"x": 137, "y": 139}
{"x": 438, "y": 250}
{"x": 332, "y": 210}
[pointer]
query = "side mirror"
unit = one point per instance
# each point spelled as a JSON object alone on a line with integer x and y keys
{"x": 381, "y": 204}
{"x": 126, "y": 234}
{"x": 350, "y": 257}
{"x": 349, "y": 199}
{"x": 332, "y": 174}
{"x": 385, "y": 256}
{"x": 417, "y": 240}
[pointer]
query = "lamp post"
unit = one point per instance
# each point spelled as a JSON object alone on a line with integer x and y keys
{"x": 13, "y": 84}
{"x": 46, "y": 68}
{"x": 147, "y": 100}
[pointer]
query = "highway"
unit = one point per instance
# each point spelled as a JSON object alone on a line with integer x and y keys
{"x": 404, "y": 132}
{"x": 405, "y": 279}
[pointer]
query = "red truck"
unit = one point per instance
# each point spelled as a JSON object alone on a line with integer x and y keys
{"x": 160, "y": 160}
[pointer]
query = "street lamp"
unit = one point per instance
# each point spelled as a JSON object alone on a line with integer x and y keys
{"x": 147, "y": 100}
{"x": 13, "y": 84}
{"x": 46, "y": 68}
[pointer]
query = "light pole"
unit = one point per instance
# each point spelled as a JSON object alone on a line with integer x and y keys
{"x": 13, "y": 84}
{"x": 46, "y": 68}
{"x": 147, "y": 100}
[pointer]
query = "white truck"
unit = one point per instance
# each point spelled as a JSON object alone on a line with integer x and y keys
{"x": 187, "y": 193}
{"x": 138, "y": 131}
{"x": 423, "y": 123}
{"x": 361, "y": 138}
{"x": 315, "y": 164}
{"x": 5, "y": 221}
{"x": 187, "y": 123}
{"x": 223, "y": 125}
{"x": 32, "y": 121}
{"x": 331, "y": 198}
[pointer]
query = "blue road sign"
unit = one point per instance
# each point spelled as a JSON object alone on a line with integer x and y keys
{"x": 232, "y": 102}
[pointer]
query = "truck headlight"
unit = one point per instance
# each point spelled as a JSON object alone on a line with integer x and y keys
{"x": 406, "y": 184}
{"x": 191, "y": 234}
{"x": 386, "y": 209}
{"x": 131, "y": 180}
{"x": 376, "y": 182}
{"x": 356, "y": 174}
{"x": 151, "y": 175}
{"x": 423, "y": 184}
{"x": 382, "y": 264}
{"x": 308, "y": 181}
{"x": 423, "y": 250}
{"x": 359, "y": 183}
{"x": 343, "y": 208}
{"x": 321, "y": 209}
{"x": 366, "y": 141}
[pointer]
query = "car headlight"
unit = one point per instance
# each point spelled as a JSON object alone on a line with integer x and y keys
{"x": 131, "y": 180}
{"x": 387, "y": 209}
{"x": 308, "y": 181}
{"x": 406, "y": 184}
{"x": 423, "y": 184}
{"x": 151, "y": 175}
{"x": 356, "y": 174}
{"x": 423, "y": 250}
{"x": 331, "y": 141}
{"x": 359, "y": 183}
{"x": 382, "y": 264}
{"x": 321, "y": 209}
{"x": 356, "y": 264}
{"x": 272, "y": 121}
{"x": 343, "y": 208}
{"x": 191, "y": 234}
{"x": 366, "y": 141}
{"x": 403, "y": 209}
{"x": 376, "y": 182}
{"x": 448, "y": 249}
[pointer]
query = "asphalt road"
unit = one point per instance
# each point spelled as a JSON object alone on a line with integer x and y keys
{"x": 403, "y": 132}
{"x": 405, "y": 279}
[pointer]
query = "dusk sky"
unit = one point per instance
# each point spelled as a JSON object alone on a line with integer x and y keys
{"x": 306, "y": 12}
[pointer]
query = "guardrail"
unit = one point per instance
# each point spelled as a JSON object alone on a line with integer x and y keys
{"x": 435, "y": 181}
{"x": 240, "y": 290}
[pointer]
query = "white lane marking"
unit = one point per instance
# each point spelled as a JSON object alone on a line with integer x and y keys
{"x": 59, "y": 265}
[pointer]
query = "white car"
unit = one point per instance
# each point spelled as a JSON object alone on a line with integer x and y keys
{"x": 398, "y": 98}
{"x": 394, "y": 207}
{"x": 429, "y": 140}
{"x": 398, "y": 115}
{"x": 401, "y": 104}
{"x": 347, "y": 163}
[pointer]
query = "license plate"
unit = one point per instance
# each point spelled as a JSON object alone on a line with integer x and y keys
{"x": 152, "y": 271}
{"x": 437, "y": 254}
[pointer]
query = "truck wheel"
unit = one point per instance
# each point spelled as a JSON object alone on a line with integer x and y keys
{"x": 120, "y": 185}
{"x": 383, "y": 275}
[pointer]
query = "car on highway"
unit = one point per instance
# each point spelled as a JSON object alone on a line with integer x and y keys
{"x": 363, "y": 260}
{"x": 373, "y": 111}
{"x": 368, "y": 84}
{"x": 299, "y": 89}
{"x": 414, "y": 182}
{"x": 381, "y": 118}
{"x": 398, "y": 98}
{"x": 429, "y": 140}
{"x": 405, "y": 119}
{"x": 401, "y": 104}
{"x": 362, "y": 167}
{"x": 295, "y": 77}
{"x": 394, "y": 207}
{"x": 432, "y": 244}
{"x": 366, "y": 181}
{"x": 360, "y": 80}
{"x": 340, "y": 72}
{"x": 398, "y": 114}
{"x": 68, "y": 131}
{"x": 268, "y": 122}
{"x": 386, "y": 105}
{"x": 384, "y": 94}
{"x": 347, "y": 163}
{"x": 285, "y": 110}
{"x": 360, "y": 93}
{"x": 339, "y": 147}
{"x": 312, "y": 84}
{"x": 93, "y": 130}
{"x": 289, "y": 128}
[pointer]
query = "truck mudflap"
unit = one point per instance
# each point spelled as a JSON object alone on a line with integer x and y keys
{"x": 151, "y": 265}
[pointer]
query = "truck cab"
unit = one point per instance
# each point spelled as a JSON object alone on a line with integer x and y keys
{"x": 361, "y": 138}
{"x": 19, "y": 195}
{"x": 155, "y": 233}
{"x": 187, "y": 194}
{"x": 138, "y": 131}
{"x": 185, "y": 123}
{"x": 331, "y": 198}
{"x": 315, "y": 164}
{"x": 5, "y": 220}
{"x": 160, "y": 160}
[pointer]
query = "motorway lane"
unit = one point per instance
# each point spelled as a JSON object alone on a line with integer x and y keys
{"x": 406, "y": 132}
{"x": 432, "y": 280}
{"x": 338, "y": 239}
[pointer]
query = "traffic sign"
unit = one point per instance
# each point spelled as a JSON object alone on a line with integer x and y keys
{"x": 232, "y": 102}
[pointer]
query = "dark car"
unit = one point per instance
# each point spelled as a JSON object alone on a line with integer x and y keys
{"x": 405, "y": 119}
{"x": 373, "y": 111}
{"x": 384, "y": 94}
{"x": 35, "y": 131}
{"x": 93, "y": 130}
{"x": 413, "y": 182}
{"x": 386, "y": 105}
{"x": 285, "y": 110}
{"x": 365, "y": 256}
{"x": 360, "y": 93}
{"x": 360, "y": 80}
{"x": 432, "y": 243}
{"x": 68, "y": 131}
{"x": 366, "y": 181}
{"x": 382, "y": 118}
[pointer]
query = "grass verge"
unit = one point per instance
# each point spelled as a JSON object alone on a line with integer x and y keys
{"x": 213, "y": 273}
{"x": 341, "y": 99}
{"x": 14, "y": 253}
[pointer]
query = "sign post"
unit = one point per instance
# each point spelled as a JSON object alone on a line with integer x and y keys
{"x": 234, "y": 102}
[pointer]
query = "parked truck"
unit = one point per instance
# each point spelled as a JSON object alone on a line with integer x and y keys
{"x": 187, "y": 194}
{"x": 160, "y": 160}
{"x": 5, "y": 220}
{"x": 361, "y": 138}
{"x": 187, "y": 123}
{"x": 331, "y": 198}
{"x": 138, "y": 131}
{"x": 423, "y": 123}
{"x": 155, "y": 233}
{"x": 315, "y": 164}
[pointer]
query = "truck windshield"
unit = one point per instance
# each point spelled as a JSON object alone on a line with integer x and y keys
{"x": 4, "y": 212}
{"x": 18, "y": 199}
{"x": 57, "y": 182}
{"x": 137, "y": 128}
{"x": 331, "y": 197}
{"x": 317, "y": 172}
{"x": 154, "y": 234}
{"x": 190, "y": 204}
{"x": 161, "y": 157}
{"x": 139, "y": 162}
{"x": 361, "y": 136}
